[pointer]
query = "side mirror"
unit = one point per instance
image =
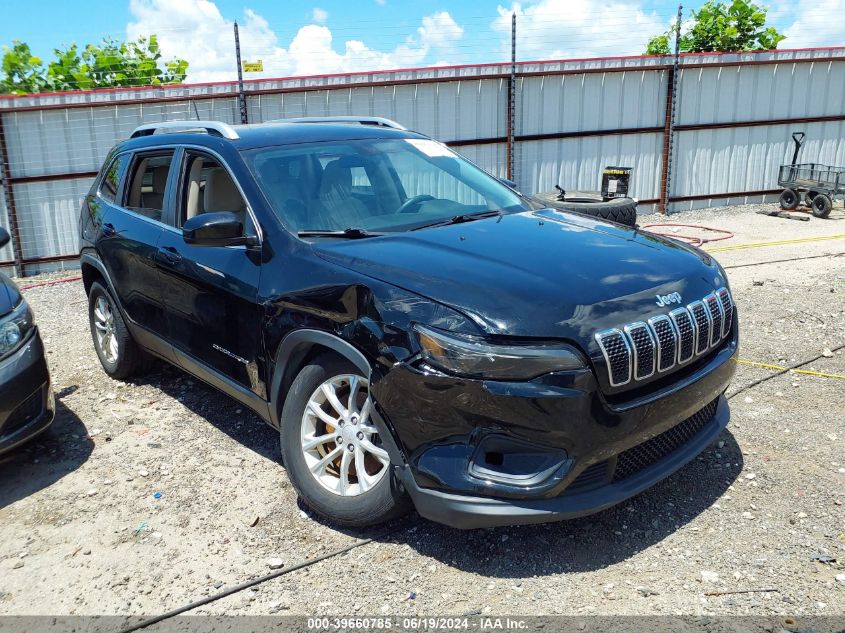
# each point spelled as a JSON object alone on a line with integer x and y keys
{"x": 508, "y": 183}
{"x": 4, "y": 237}
{"x": 220, "y": 228}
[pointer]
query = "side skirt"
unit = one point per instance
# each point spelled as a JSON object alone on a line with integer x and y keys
{"x": 157, "y": 346}
{"x": 224, "y": 384}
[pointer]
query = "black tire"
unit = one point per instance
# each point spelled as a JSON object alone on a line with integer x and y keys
{"x": 822, "y": 204}
{"x": 789, "y": 199}
{"x": 808, "y": 198}
{"x": 619, "y": 210}
{"x": 129, "y": 358}
{"x": 386, "y": 500}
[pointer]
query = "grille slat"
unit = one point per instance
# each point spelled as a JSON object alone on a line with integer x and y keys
{"x": 639, "y": 350}
{"x": 643, "y": 345}
{"x": 727, "y": 309}
{"x": 667, "y": 342}
{"x": 716, "y": 316}
{"x": 651, "y": 451}
{"x": 617, "y": 353}
{"x": 686, "y": 333}
{"x": 702, "y": 326}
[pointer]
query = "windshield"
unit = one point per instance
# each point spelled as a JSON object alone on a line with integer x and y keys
{"x": 374, "y": 185}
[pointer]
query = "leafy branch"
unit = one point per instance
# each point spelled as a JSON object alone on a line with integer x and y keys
{"x": 719, "y": 26}
{"x": 111, "y": 64}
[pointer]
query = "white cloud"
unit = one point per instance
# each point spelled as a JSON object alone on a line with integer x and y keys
{"x": 319, "y": 15}
{"x": 195, "y": 30}
{"x": 549, "y": 29}
{"x": 818, "y": 23}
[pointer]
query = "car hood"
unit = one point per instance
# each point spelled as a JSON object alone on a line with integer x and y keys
{"x": 9, "y": 295}
{"x": 543, "y": 273}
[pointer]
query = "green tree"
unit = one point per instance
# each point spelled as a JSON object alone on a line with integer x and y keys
{"x": 21, "y": 70}
{"x": 108, "y": 65}
{"x": 719, "y": 26}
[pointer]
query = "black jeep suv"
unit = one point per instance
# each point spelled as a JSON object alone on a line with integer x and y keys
{"x": 416, "y": 329}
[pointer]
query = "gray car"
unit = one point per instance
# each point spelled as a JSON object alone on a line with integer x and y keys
{"x": 27, "y": 406}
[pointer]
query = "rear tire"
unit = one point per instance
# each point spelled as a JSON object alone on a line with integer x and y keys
{"x": 119, "y": 355}
{"x": 822, "y": 204}
{"x": 789, "y": 199}
{"x": 808, "y": 198}
{"x": 619, "y": 210}
{"x": 325, "y": 474}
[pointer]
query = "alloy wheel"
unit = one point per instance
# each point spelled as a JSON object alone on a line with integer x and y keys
{"x": 339, "y": 440}
{"x": 104, "y": 326}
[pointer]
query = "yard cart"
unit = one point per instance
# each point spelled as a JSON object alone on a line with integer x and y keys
{"x": 820, "y": 184}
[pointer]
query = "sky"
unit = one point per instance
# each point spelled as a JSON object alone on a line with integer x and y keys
{"x": 331, "y": 36}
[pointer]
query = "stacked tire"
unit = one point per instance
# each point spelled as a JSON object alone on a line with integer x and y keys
{"x": 619, "y": 210}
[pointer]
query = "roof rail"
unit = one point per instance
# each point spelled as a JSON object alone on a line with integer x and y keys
{"x": 217, "y": 128}
{"x": 375, "y": 121}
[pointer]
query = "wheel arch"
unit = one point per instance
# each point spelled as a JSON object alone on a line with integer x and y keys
{"x": 296, "y": 350}
{"x": 92, "y": 270}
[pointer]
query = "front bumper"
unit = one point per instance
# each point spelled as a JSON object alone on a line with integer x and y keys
{"x": 573, "y": 452}
{"x": 27, "y": 406}
{"x": 469, "y": 512}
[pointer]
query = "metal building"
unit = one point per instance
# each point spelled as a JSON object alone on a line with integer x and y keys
{"x": 733, "y": 117}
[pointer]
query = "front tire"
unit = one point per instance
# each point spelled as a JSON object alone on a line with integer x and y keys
{"x": 789, "y": 199}
{"x": 118, "y": 353}
{"x": 331, "y": 447}
{"x": 822, "y": 205}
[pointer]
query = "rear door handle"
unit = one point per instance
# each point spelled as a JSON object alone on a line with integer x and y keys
{"x": 169, "y": 255}
{"x": 108, "y": 230}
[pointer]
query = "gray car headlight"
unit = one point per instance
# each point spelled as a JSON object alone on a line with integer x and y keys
{"x": 14, "y": 327}
{"x": 476, "y": 357}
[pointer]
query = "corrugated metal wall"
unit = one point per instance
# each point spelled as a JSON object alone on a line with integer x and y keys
{"x": 6, "y": 253}
{"x": 745, "y": 158}
{"x": 734, "y": 116}
{"x": 598, "y": 102}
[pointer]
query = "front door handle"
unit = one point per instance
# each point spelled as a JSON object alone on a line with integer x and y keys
{"x": 169, "y": 255}
{"x": 108, "y": 230}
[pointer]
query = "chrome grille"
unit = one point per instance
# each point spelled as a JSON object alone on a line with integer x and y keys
{"x": 639, "y": 350}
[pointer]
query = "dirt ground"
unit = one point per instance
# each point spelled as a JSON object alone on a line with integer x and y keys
{"x": 84, "y": 530}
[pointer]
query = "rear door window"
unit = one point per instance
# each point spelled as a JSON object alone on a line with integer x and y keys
{"x": 148, "y": 183}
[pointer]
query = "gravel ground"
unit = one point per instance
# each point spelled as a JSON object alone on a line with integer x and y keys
{"x": 85, "y": 532}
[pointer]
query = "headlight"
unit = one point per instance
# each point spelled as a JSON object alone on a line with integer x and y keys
{"x": 14, "y": 328}
{"x": 476, "y": 357}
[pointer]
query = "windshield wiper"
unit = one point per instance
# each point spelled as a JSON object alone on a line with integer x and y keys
{"x": 460, "y": 219}
{"x": 348, "y": 234}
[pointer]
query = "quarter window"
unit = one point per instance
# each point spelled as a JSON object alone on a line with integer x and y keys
{"x": 111, "y": 179}
{"x": 147, "y": 185}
